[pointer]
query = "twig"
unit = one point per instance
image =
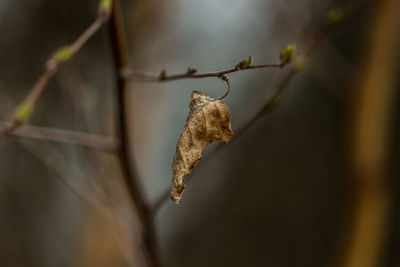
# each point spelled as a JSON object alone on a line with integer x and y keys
{"x": 53, "y": 64}
{"x": 228, "y": 83}
{"x": 107, "y": 144}
{"x": 312, "y": 38}
{"x": 191, "y": 73}
{"x": 127, "y": 161}
{"x": 56, "y": 162}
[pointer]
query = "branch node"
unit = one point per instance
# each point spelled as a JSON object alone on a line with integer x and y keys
{"x": 225, "y": 78}
{"x": 163, "y": 74}
{"x": 244, "y": 64}
{"x": 105, "y": 9}
{"x": 191, "y": 70}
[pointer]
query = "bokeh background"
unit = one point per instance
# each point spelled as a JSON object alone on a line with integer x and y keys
{"x": 295, "y": 189}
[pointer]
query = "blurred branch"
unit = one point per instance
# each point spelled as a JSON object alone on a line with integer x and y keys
{"x": 370, "y": 139}
{"x": 309, "y": 40}
{"x": 72, "y": 177}
{"x": 56, "y": 162}
{"x": 127, "y": 161}
{"x": 53, "y": 64}
{"x": 107, "y": 144}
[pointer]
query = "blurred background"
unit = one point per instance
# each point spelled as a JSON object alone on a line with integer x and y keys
{"x": 313, "y": 182}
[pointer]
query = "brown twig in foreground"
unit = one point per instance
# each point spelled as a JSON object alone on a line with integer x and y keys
{"x": 135, "y": 188}
{"x": 53, "y": 64}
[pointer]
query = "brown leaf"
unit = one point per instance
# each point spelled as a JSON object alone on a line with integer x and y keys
{"x": 208, "y": 120}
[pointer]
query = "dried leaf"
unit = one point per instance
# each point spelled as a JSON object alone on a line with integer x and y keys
{"x": 208, "y": 120}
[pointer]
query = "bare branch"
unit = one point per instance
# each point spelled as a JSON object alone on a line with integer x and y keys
{"x": 133, "y": 183}
{"x": 53, "y": 64}
{"x": 228, "y": 83}
{"x": 191, "y": 73}
{"x": 102, "y": 143}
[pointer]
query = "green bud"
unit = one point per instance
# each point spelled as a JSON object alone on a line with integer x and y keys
{"x": 105, "y": 8}
{"x": 63, "y": 54}
{"x": 334, "y": 16}
{"x": 287, "y": 53}
{"x": 22, "y": 113}
{"x": 163, "y": 74}
{"x": 247, "y": 62}
{"x": 300, "y": 63}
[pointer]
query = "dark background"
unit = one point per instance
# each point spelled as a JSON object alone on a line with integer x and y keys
{"x": 282, "y": 194}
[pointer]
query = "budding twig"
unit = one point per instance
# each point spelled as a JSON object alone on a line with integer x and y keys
{"x": 53, "y": 64}
{"x": 191, "y": 73}
{"x": 154, "y": 77}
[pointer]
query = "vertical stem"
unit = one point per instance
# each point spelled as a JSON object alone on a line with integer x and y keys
{"x": 370, "y": 142}
{"x": 127, "y": 161}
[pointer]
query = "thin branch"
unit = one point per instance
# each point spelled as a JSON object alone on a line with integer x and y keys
{"x": 56, "y": 162}
{"x": 72, "y": 177}
{"x": 191, "y": 73}
{"x": 102, "y": 143}
{"x": 311, "y": 38}
{"x": 127, "y": 161}
{"x": 53, "y": 64}
{"x": 228, "y": 83}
